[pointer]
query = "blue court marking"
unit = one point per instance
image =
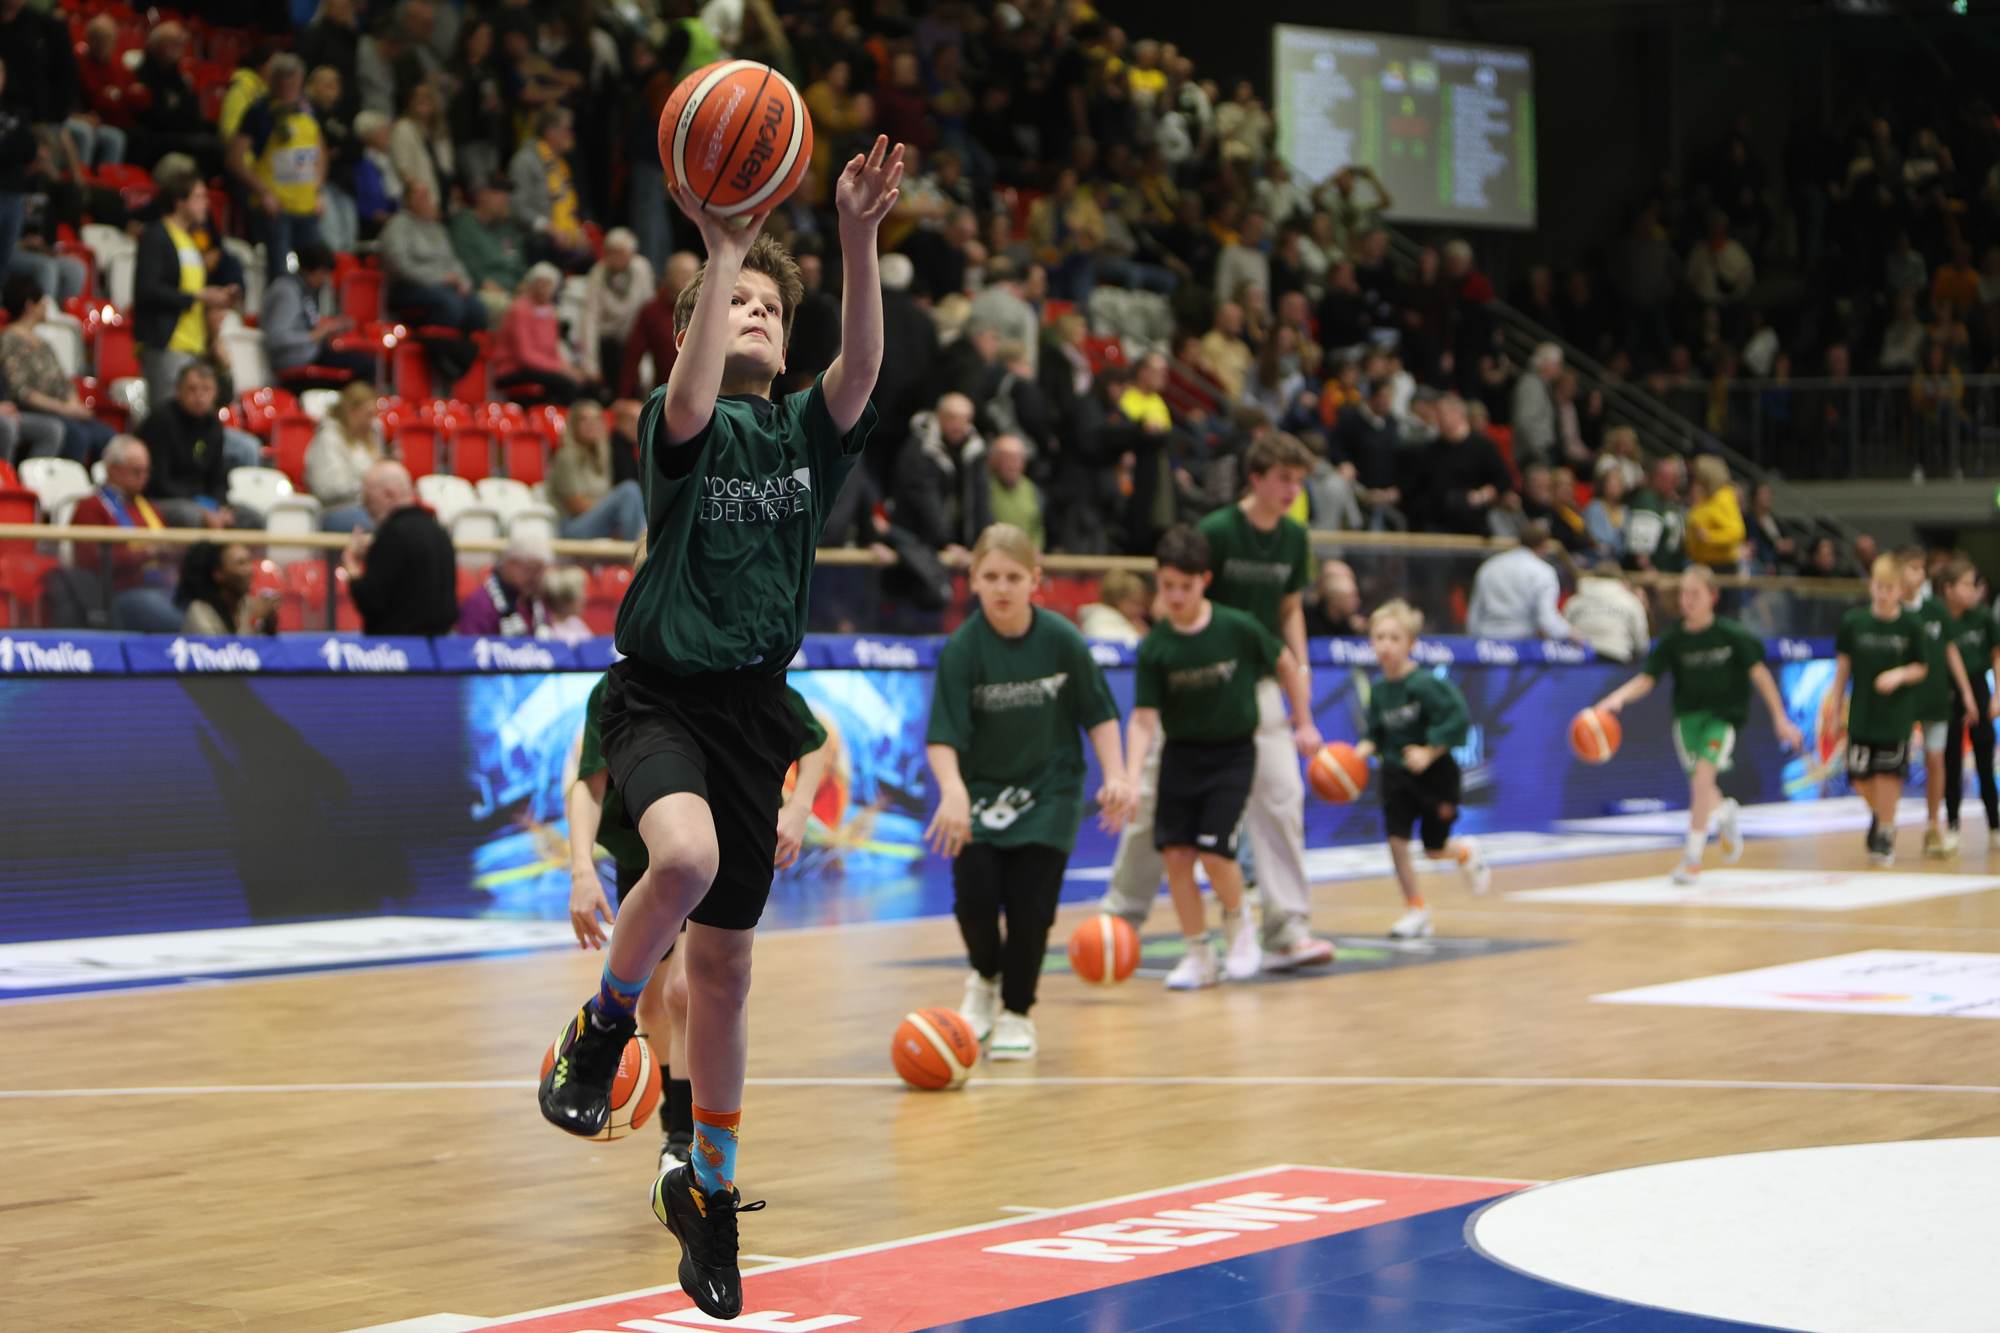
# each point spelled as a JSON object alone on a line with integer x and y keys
{"x": 1415, "y": 1275}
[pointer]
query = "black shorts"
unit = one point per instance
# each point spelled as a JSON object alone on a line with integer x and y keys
{"x": 1868, "y": 759}
{"x": 1203, "y": 789}
{"x": 727, "y": 737}
{"x": 1429, "y": 798}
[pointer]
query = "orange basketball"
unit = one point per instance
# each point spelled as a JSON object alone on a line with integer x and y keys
{"x": 934, "y": 1049}
{"x": 1104, "y": 950}
{"x": 1337, "y": 773}
{"x": 1594, "y": 734}
{"x": 635, "y": 1089}
{"x": 737, "y": 133}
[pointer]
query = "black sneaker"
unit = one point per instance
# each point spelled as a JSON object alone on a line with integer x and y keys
{"x": 705, "y": 1225}
{"x": 576, "y": 1092}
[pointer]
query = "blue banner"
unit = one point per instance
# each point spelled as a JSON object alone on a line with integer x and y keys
{"x": 320, "y": 654}
{"x": 483, "y": 655}
{"x": 60, "y": 653}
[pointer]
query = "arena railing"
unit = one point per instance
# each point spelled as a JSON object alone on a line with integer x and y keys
{"x": 1874, "y": 427}
{"x": 1433, "y": 571}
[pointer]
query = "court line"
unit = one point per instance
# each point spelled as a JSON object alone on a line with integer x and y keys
{"x": 1724, "y": 923}
{"x": 1221, "y": 1080}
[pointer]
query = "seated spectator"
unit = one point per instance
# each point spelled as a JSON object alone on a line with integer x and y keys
{"x": 215, "y": 592}
{"x": 1464, "y": 476}
{"x": 1514, "y": 593}
{"x": 619, "y": 286}
{"x": 943, "y": 256}
{"x": 1715, "y": 529}
{"x": 1606, "y": 614}
{"x": 112, "y": 95}
{"x": 1366, "y": 452}
{"x": 1124, "y": 604}
{"x": 653, "y": 330}
{"x": 840, "y": 115}
{"x": 1343, "y": 310}
{"x": 1902, "y": 337}
{"x": 1010, "y": 303}
{"x": 404, "y": 577}
{"x": 1534, "y": 407}
{"x": 1604, "y": 516}
{"x": 546, "y": 205}
{"x": 940, "y": 492}
{"x": 528, "y": 349}
{"x": 141, "y": 573}
{"x": 1720, "y": 271}
{"x": 378, "y": 188}
{"x": 1335, "y": 607}
{"x": 1823, "y": 561}
{"x": 296, "y": 333}
{"x": 815, "y": 336}
{"x": 1245, "y": 262}
{"x": 1014, "y": 499}
{"x": 1277, "y": 376}
{"x": 508, "y": 601}
{"x": 1566, "y": 520}
{"x": 171, "y": 294}
{"x": 346, "y": 447}
{"x": 425, "y": 276}
{"x": 1065, "y": 230}
{"x": 1774, "y": 550}
{"x": 581, "y": 486}
{"x": 279, "y": 154}
{"x": 1655, "y": 531}
{"x": 172, "y": 122}
{"x": 491, "y": 247}
{"x": 420, "y": 143}
{"x": 183, "y": 436}
{"x": 563, "y": 592}
{"x": 35, "y": 377}
{"x": 1224, "y": 354}
{"x": 1904, "y": 269}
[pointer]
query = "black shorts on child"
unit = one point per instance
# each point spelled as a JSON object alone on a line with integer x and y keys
{"x": 1868, "y": 759}
{"x": 1429, "y": 798}
{"x": 727, "y": 737}
{"x": 1203, "y": 789}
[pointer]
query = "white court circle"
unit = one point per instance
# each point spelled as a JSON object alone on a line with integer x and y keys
{"x": 1862, "y": 1238}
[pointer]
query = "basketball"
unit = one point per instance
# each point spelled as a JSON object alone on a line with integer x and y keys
{"x": 1104, "y": 950}
{"x": 1337, "y": 773}
{"x": 934, "y": 1049}
{"x": 737, "y": 134}
{"x": 635, "y": 1089}
{"x": 1594, "y": 735}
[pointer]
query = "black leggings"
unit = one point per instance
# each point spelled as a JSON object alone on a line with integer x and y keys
{"x": 1982, "y": 754}
{"x": 1023, "y": 882}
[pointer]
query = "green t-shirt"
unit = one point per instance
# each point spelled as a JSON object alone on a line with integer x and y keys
{"x": 733, "y": 518}
{"x": 1255, "y": 571}
{"x": 1933, "y": 694}
{"x": 1977, "y": 634}
{"x": 1657, "y": 527}
{"x": 1873, "y": 646}
{"x": 616, "y": 833}
{"x": 1205, "y": 683}
{"x": 1711, "y": 668}
{"x": 1012, "y": 708}
{"x": 1419, "y": 709}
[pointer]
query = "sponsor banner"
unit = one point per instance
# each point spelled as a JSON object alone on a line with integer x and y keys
{"x": 352, "y": 655}
{"x": 189, "y": 654}
{"x": 597, "y": 653}
{"x": 1457, "y": 650}
{"x": 60, "y": 653}
{"x": 877, "y": 652}
{"x": 1776, "y": 890}
{"x": 898, "y": 1288}
{"x": 1875, "y": 981}
{"x": 480, "y": 654}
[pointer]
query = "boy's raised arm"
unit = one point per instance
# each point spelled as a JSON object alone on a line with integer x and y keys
{"x": 864, "y": 195}
{"x": 697, "y": 374}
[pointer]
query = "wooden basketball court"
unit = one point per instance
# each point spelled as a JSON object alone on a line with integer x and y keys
{"x": 383, "y": 1158}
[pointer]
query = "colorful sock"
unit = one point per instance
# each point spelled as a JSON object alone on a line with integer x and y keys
{"x": 616, "y": 997}
{"x": 1415, "y": 902}
{"x": 1697, "y": 841}
{"x": 714, "y": 1155}
{"x": 679, "y": 1119}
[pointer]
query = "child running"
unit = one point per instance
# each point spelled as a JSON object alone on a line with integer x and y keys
{"x": 1975, "y": 638}
{"x": 1879, "y": 647}
{"x": 1933, "y": 695}
{"x": 1716, "y": 664}
{"x": 1015, "y": 683}
{"x": 1198, "y": 674}
{"x": 697, "y": 735}
{"x": 1415, "y": 721}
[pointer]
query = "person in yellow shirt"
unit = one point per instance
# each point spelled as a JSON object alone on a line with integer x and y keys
{"x": 250, "y": 82}
{"x": 279, "y": 154}
{"x": 1715, "y": 529}
{"x": 170, "y": 290}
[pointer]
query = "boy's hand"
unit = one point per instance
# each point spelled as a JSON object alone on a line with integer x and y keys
{"x": 1417, "y": 758}
{"x": 589, "y": 909}
{"x": 951, "y": 826}
{"x": 1306, "y": 736}
{"x": 1789, "y": 735}
{"x": 867, "y": 189}
{"x": 1890, "y": 681}
{"x": 722, "y": 237}
{"x": 1118, "y": 801}
{"x": 1611, "y": 703}
{"x": 791, "y": 833}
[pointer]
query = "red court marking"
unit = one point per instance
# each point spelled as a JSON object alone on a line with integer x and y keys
{"x": 916, "y": 1284}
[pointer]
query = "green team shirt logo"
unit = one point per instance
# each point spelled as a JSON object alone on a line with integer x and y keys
{"x": 737, "y": 500}
{"x": 1202, "y": 678}
{"x": 1402, "y": 716}
{"x": 1002, "y": 808}
{"x": 1883, "y": 643}
{"x": 1256, "y": 571}
{"x": 1013, "y": 694}
{"x": 1707, "y": 657}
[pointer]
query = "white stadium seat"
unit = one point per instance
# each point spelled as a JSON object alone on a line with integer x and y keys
{"x": 534, "y": 521}
{"x": 248, "y": 366}
{"x": 476, "y": 523}
{"x": 288, "y": 514}
{"x": 258, "y": 487}
{"x": 446, "y": 495}
{"x": 54, "y": 480}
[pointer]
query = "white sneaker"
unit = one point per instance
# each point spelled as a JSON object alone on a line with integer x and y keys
{"x": 1732, "y": 832}
{"x": 1414, "y": 924}
{"x": 1244, "y": 957}
{"x": 1687, "y": 872}
{"x": 1297, "y": 947}
{"x": 1478, "y": 874}
{"x": 1950, "y": 838}
{"x": 1013, "y": 1037}
{"x": 1196, "y": 970}
{"x": 980, "y": 1005}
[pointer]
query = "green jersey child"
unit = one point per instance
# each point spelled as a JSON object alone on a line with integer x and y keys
{"x": 1197, "y": 683}
{"x": 1015, "y": 684}
{"x": 1716, "y": 663}
{"x": 1880, "y": 648}
{"x": 1934, "y": 695}
{"x": 1975, "y": 637}
{"x": 697, "y": 735}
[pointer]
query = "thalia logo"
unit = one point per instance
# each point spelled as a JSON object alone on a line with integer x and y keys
{"x": 491, "y": 655}
{"x": 356, "y": 657}
{"x": 1497, "y": 652}
{"x": 26, "y": 655}
{"x": 869, "y": 653}
{"x": 195, "y": 656}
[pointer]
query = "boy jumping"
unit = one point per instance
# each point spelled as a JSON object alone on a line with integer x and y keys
{"x": 697, "y": 733}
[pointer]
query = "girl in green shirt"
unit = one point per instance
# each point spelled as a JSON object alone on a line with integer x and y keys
{"x": 1880, "y": 648}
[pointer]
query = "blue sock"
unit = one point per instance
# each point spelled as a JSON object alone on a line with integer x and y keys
{"x": 616, "y": 997}
{"x": 713, "y": 1155}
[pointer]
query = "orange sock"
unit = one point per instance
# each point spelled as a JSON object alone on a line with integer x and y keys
{"x": 1461, "y": 853}
{"x": 714, "y": 1154}
{"x": 1417, "y": 902}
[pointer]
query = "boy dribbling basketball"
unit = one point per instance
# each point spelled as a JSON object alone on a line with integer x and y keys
{"x": 1879, "y": 647}
{"x": 697, "y": 734}
{"x": 1015, "y": 683}
{"x": 1716, "y": 664}
{"x": 1197, "y": 683}
{"x": 1415, "y": 721}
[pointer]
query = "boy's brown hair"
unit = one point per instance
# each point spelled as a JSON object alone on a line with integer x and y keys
{"x": 1277, "y": 450}
{"x": 767, "y": 256}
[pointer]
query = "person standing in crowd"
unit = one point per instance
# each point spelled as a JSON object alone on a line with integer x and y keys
{"x": 619, "y": 286}
{"x": 215, "y": 592}
{"x": 279, "y": 154}
{"x": 546, "y": 204}
{"x": 1514, "y": 593}
{"x": 18, "y": 149}
{"x": 1015, "y": 500}
{"x": 346, "y": 446}
{"x": 508, "y": 600}
{"x": 403, "y": 577}
{"x": 1656, "y": 531}
{"x": 1715, "y": 530}
{"x": 171, "y": 294}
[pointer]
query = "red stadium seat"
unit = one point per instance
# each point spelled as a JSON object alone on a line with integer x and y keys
{"x": 263, "y": 407}
{"x": 115, "y": 358}
{"x": 527, "y": 457}
{"x": 417, "y": 444}
{"x": 23, "y": 578}
{"x": 472, "y": 453}
{"x": 361, "y": 294}
{"x": 290, "y": 437}
{"x": 410, "y": 371}
{"x": 474, "y": 388}
{"x": 18, "y": 505}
